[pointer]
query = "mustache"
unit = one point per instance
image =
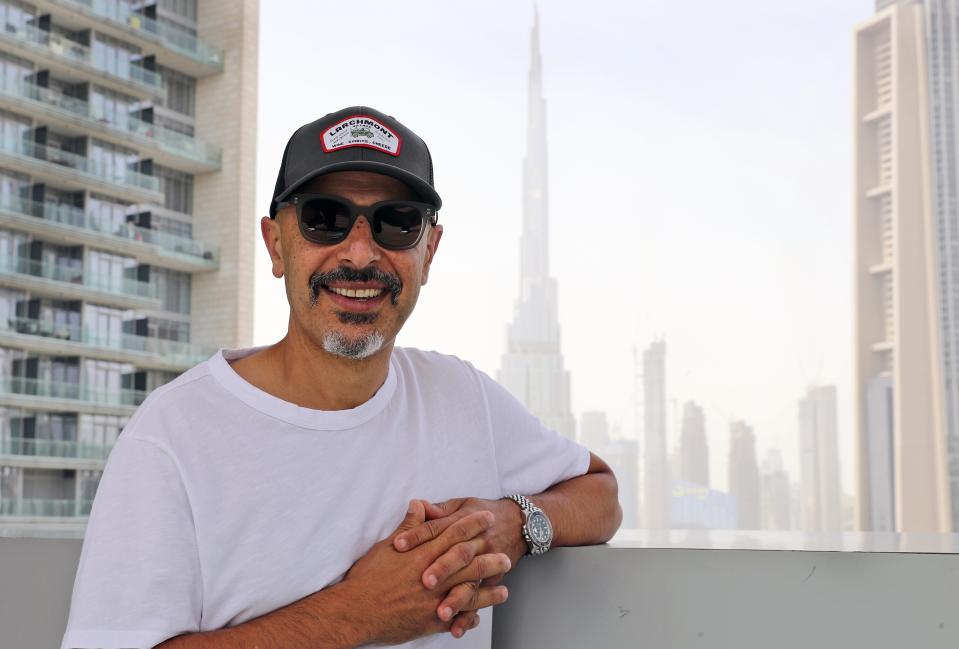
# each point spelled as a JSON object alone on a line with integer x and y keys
{"x": 344, "y": 274}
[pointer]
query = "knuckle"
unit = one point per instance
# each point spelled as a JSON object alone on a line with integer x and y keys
{"x": 431, "y": 530}
{"x": 463, "y": 553}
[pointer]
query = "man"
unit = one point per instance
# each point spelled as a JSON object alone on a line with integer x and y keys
{"x": 284, "y": 496}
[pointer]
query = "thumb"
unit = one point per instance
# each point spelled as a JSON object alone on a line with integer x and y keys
{"x": 415, "y": 515}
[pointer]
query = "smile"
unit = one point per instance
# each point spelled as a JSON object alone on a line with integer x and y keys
{"x": 358, "y": 294}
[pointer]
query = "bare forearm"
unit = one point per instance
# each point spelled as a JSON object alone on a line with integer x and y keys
{"x": 324, "y": 619}
{"x": 584, "y": 510}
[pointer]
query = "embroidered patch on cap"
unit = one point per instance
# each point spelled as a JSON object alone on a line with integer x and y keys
{"x": 361, "y": 131}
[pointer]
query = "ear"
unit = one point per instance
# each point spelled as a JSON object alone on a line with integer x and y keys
{"x": 270, "y": 229}
{"x": 432, "y": 243}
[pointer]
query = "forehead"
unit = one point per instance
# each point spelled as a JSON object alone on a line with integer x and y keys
{"x": 351, "y": 183}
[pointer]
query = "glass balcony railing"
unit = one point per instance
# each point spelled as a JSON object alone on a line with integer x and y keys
{"x": 172, "y": 350}
{"x": 53, "y": 448}
{"x": 178, "y": 40}
{"x": 72, "y": 391}
{"x": 78, "y": 53}
{"x": 73, "y": 275}
{"x": 43, "y": 507}
{"x": 166, "y": 139}
{"x": 115, "y": 174}
{"x": 77, "y": 218}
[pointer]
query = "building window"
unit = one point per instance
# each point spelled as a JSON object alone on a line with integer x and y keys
{"x": 113, "y": 56}
{"x": 183, "y": 8}
{"x": 174, "y": 289}
{"x": 177, "y": 188}
{"x": 112, "y": 161}
{"x": 180, "y": 91}
{"x": 13, "y": 69}
{"x": 113, "y": 107}
{"x": 15, "y": 15}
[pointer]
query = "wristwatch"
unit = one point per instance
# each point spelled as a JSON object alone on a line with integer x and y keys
{"x": 537, "y": 530}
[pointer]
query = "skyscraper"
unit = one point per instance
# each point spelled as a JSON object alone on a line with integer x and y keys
{"x": 622, "y": 455}
{"x": 906, "y": 261}
{"x": 693, "y": 447}
{"x": 819, "y": 461}
{"x": 127, "y": 163}
{"x": 775, "y": 501}
{"x": 532, "y": 367}
{"x": 744, "y": 475}
{"x": 656, "y": 492}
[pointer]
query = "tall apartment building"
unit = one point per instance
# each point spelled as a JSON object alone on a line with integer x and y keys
{"x": 907, "y": 267}
{"x": 656, "y": 492}
{"x": 127, "y": 225}
{"x": 744, "y": 476}
{"x": 819, "y": 461}
{"x": 693, "y": 446}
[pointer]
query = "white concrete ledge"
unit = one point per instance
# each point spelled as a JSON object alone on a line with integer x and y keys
{"x": 628, "y": 594}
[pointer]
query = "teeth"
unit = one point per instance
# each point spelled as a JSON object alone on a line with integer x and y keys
{"x": 357, "y": 293}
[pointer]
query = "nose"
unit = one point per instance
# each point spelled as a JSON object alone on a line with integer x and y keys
{"x": 358, "y": 249}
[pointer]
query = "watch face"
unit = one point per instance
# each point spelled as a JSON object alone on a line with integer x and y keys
{"x": 539, "y": 528}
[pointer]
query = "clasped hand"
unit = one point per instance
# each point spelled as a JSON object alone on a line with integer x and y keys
{"x": 503, "y": 536}
{"x": 445, "y": 573}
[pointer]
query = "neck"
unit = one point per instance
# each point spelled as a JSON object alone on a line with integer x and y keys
{"x": 297, "y": 369}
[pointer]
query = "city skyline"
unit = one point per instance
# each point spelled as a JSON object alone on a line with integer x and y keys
{"x": 703, "y": 196}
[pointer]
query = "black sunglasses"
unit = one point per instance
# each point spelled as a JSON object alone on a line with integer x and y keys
{"x": 328, "y": 219}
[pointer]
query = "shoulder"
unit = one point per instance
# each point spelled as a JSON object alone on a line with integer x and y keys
{"x": 167, "y": 408}
{"x": 445, "y": 370}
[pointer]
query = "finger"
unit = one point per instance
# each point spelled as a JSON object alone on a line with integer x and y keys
{"x": 481, "y": 568}
{"x": 451, "y": 562}
{"x": 445, "y": 508}
{"x": 463, "y": 622}
{"x": 464, "y": 529}
{"x": 495, "y": 579}
{"x": 470, "y": 596}
{"x": 427, "y": 531}
{"x": 415, "y": 515}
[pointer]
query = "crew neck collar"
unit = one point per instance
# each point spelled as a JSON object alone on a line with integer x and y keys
{"x": 290, "y": 412}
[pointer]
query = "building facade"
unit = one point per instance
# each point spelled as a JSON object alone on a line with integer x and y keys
{"x": 744, "y": 476}
{"x": 820, "y": 483}
{"x": 532, "y": 368}
{"x": 693, "y": 446}
{"x": 127, "y": 225}
{"x": 656, "y": 482}
{"x": 906, "y": 229}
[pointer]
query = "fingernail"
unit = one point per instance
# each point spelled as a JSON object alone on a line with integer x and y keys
{"x": 431, "y": 581}
{"x": 401, "y": 544}
{"x": 504, "y": 592}
{"x": 446, "y": 613}
{"x": 412, "y": 508}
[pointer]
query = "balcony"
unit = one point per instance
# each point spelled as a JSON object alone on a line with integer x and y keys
{"x": 620, "y": 596}
{"x": 181, "y": 49}
{"x": 169, "y": 147}
{"x": 47, "y": 337}
{"x": 34, "y": 507}
{"x": 18, "y": 391}
{"x": 66, "y": 55}
{"x": 53, "y": 448}
{"x": 59, "y": 166}
{"x": 71, "y": 225}
{"x": 68, "y": 282}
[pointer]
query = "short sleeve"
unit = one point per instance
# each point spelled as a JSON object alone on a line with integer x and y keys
{"x": 530, "y": 457}
{"x": 138, "y": 580}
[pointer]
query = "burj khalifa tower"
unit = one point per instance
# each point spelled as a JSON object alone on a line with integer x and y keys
{"x": 532, "y": 368}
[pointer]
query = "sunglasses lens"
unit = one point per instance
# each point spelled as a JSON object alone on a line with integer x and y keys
{"x": 397, "y": 225}
{"x": 324, "y": 220}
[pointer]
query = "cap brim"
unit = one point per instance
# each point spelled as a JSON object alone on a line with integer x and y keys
{"x": 422, "y": 188}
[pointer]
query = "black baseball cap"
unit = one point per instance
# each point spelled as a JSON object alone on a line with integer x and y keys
{"x": 358, "y": 138}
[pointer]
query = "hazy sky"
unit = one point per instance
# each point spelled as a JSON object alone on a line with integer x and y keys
{"x": 700, "y": 184}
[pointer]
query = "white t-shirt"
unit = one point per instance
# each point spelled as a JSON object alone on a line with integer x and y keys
{"x": 220, "y": 502}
